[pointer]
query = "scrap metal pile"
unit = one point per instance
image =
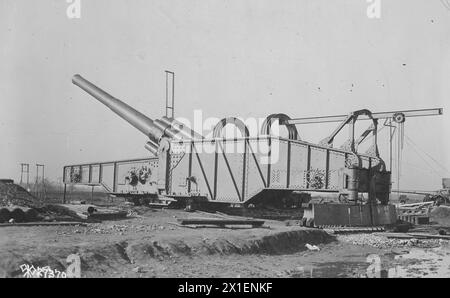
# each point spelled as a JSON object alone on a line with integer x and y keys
{"x": 16, "y": 204}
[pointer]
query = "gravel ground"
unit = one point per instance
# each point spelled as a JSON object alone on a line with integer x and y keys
{"x": 381, "y": 242}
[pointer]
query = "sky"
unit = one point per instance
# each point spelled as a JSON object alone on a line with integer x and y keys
{"x": 246, "y": 58}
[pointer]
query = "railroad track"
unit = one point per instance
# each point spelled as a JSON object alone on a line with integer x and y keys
{"x": 351, "y": 230}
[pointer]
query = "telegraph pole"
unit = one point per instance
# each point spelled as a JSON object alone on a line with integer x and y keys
{"x": 25, "y": 169}
{"x": 170, "y": 94}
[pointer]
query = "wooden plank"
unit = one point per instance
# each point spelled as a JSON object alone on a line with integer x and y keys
{"x": 396, "y": 236}
{"x": 28, "y": 224}
{"x": 224, "y": 215}
{"x": 219, "y": 222}
{"x": 157, "y": 205}
{"x": 415, "y": 204}
{"x": 429, "y": 236}
{"x": 178, "y": 225}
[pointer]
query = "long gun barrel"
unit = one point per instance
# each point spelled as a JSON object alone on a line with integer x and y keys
{"x": 135, "y": 118}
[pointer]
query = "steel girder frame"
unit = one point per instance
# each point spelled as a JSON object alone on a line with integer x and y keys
{"x": 205, "y": 168}
{"x": 109, "y": 175}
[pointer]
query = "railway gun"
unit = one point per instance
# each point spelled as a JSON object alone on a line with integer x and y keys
{"x": 184, "y": 166}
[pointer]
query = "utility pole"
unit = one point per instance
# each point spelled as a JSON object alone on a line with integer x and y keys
{"x": 170, "y": 94}
{"x": 25, "y": 169}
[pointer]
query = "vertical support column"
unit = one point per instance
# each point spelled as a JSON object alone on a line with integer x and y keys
{"x": 64, "y": 194}
{"x": 65, "y": 185}
{"x": 352, "y": 134}
{"x": 390, "y": 146}
{"x": 244, "y": 170}
{"x": 327, "y": 168}
{"x": 114, "y": 177}
{"x": 100, "y": 174}
{"x": 90, "y": 174}
{"x": 216, "y": 165}
{"x": 353, "y": 183}
{"x": 190, "y": 166}
{"x": 308, "y": 166}
{"x": 163, "y": 182}
{"x": 288, "y": 170}
{"x": 375, "y": 135}
{"x": 28, "y": 176}
{"x": 170, "y": 102}
{"x": 269, "y": 160}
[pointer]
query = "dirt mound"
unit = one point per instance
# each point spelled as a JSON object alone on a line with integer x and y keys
{"x": 272, "y": 244}
{"x": 18, "y": 204}
{"x": 14, "y": 195}
{"x": 141, "y": 251}
{"x": 116, "y": 256}
{"x": 59, "y": 213}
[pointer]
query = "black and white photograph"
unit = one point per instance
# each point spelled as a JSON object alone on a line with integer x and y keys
{"x": 224, "y": 144}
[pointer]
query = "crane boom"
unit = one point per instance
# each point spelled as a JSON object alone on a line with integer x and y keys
{"x": 380, "y": 115}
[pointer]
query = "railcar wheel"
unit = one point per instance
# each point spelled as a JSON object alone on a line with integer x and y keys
{"x": 31, "y": 215}
{"x": 18, "y": 215}
{"x": 5, "y": 215}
